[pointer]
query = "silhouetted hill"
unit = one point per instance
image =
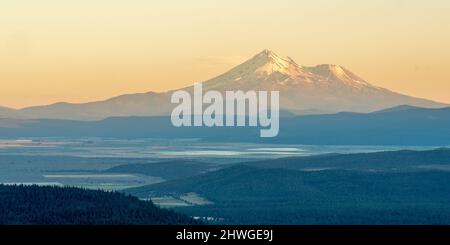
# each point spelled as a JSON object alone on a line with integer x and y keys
{"x": 399, "y": 108}
{"x": 55, "y": 205}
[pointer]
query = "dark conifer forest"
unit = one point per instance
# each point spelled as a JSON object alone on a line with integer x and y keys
{"x": 68, "y": 206}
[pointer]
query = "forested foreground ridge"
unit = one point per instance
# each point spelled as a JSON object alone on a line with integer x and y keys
{"x": 69, "y": 205}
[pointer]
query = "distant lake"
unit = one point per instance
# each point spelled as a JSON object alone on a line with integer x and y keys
{"x": 159, "y": 148}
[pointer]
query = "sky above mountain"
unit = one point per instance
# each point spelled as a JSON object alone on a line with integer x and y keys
{"x": 80, "y": 51}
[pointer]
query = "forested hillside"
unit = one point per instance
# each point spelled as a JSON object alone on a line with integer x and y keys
{"x": 56, "y": 205}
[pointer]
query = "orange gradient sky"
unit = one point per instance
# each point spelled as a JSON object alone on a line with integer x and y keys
{"x": 85, "y": 50}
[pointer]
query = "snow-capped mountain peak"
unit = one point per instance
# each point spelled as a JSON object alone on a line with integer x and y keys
{"x": 268, "y": 62}
{"x": 264, "y": 70}
{"x": 325, "y": 87}
{"x": 270, "y": 71}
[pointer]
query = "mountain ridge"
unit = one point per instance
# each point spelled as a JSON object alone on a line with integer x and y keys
{"x": 416, "y": 127}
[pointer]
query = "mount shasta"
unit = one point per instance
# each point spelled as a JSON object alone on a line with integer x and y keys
{"x": 303, "y": 90}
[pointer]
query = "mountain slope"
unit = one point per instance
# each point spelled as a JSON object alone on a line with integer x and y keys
{"x": 5, "y": 111}
{"x": 144, "y": 104}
